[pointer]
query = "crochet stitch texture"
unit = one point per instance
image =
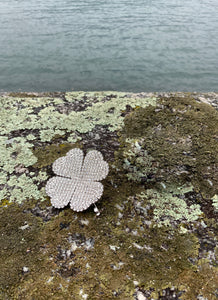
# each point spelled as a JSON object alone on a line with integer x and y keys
{"x": 77, "y": 180}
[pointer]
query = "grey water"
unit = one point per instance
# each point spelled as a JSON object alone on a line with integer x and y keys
{"x": 125, "y": 45}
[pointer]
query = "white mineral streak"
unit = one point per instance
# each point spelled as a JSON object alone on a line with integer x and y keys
{"x": 140, "y": 296}
{"x": 24, "y": 227}
{"x": 84, "y": 222}
{"x": 114, "y": 248}
{"x": 84, "y": 296}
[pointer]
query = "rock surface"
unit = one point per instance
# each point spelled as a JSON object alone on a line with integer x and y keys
{"x": 156, "y": 235}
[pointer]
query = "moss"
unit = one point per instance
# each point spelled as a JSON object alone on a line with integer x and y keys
{"x": 48, "y": 154}
{"x": 19, "y": 247}
{"x": 22, "y": 95}
{"x": 180, "y": 134}
{"x": 79, "y": 253}
{"x": 204, "y": 282}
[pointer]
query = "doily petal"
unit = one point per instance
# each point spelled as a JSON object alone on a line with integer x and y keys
{"x": 70, "y": 165}
{"x": 85, "y": 194}
{"x": 94, "y": 167}
{"x": 60, "y": 190}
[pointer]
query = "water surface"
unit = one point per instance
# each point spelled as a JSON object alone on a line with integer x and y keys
{"x": 126, "y": 45}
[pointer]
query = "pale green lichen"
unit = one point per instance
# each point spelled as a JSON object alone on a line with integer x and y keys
{"x": 3, "y": 193}
{"x": 47, "y": 134}
{"x": 31, "y": 137}
{"x": 101, "y": 115}
{"x": 15, "y": 151}
{"x": 23, "y": 187}
{"x": 215, "y": 202}
{"x": 139, "y": 165}
{"x": 73, "y": 138}
{"x": 42, "y": 176}
{"x": 28, "y": 119}
{"x": 49, "y": 119}
{"x": 169, "y": 206}
{"x": 90, "y": 96}
{"x": 3, "y": 178}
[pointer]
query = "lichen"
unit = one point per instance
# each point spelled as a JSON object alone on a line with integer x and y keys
{"x": 139, "y": 166}
{"x": 15, "y": 151}
{"x": 169, "y": 207}
{"x": 28, "y": 123}
{"x": 23, "y": 187}
{"x": 215, "y": 202}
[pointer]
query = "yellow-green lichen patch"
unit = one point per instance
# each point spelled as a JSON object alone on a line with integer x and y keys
{"x": 90, "y": 96}
{"x": 48, "y": 119}
{"x": 181, "y": 135}
{"x": 5, "y": 203}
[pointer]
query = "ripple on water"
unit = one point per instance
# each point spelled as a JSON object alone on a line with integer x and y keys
{"x": 99, "y": 45}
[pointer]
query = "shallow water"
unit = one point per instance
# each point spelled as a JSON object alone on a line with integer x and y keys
{"x": 126, "y": 45}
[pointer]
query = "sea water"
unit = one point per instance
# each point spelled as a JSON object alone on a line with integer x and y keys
{"x": 125, "y": 45}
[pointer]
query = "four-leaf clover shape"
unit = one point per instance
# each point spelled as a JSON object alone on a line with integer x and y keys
{"x": 77, "y": 179}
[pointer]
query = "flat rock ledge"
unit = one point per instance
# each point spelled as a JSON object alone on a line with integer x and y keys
{"x": 155, "y": 236}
